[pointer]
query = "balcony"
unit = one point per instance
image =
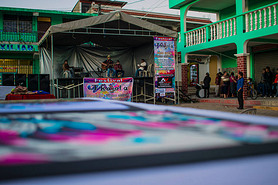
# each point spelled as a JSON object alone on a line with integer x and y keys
{"x": 248, "y": 22}
{"x": 18, "y": 37}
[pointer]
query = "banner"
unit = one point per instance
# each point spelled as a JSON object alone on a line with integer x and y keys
{"x": 164, "y": 63}
{"x": 108, "y": 88}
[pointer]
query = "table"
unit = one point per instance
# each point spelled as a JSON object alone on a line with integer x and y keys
{"x": 4, "y": 90}
{"x": 29, "y": 96}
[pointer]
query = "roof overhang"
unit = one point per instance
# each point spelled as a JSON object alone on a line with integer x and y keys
{"x": 115, "y": 27}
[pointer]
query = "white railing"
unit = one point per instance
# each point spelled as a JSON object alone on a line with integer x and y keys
{"x": 261, "y": 18}
{"x": 223, "y": 29}
{"x": 254, "y": 20}
{"x": 219, "y": 30}
{"x": 195, "y": 37}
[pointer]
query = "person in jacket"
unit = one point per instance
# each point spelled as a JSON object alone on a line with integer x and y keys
{"x": 109, "y": 66}
{"x": 269, "y": 81}
{"x": 240, "y": 84}
{"x": 275, "y": 83}
{"x": 232, "y": 84}
{"x": 261, "y": 85}
{"x": 207, "y": 80}
{"x": 119, "y": 69}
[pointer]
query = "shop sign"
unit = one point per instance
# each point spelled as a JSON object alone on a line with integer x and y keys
{"x": 16, "y": 47}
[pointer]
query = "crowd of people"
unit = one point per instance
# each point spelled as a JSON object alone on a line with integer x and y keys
{"x": 268, "y": 83}
{"x": 226, "y": 84}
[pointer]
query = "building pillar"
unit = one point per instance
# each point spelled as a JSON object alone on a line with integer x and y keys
{"x": 242, "y": 67}
{"x": 184, "y": 78}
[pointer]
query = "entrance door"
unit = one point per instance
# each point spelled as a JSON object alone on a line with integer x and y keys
{"x": 43, "y": 24}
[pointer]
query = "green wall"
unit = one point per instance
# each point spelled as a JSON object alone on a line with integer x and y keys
{"x": 228, "y": 61}
{"x": 227, "y": 12}
{"x": 1, "y": 21}
{"x": 56, "y": 19}
{"x": 36, "y": 66}
{"x": 253, "y": 4}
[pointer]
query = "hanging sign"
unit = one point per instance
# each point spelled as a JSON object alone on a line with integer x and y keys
{"x": 109, "y": 88}
{"x": 164, "y": 59}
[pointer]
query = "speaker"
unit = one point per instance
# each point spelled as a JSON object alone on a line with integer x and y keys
{"x": 7, "y": 79}
{"x": 33, "y": 84}
{"x": 44, "y": 82}
{"x": 20, "y": 79}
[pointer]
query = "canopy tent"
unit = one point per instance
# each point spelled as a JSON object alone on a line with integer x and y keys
{"x": 120, "y": 35}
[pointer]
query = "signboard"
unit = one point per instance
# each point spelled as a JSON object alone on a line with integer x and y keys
{"x": 164, "y": 65}
{"x": 164, "y": 82}
{"x": 17, "y": 47}
{"x": 109, "y": 88}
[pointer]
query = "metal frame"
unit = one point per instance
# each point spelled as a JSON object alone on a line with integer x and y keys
{"x": 143, "y": 90}
{"x": 105, "y": 31}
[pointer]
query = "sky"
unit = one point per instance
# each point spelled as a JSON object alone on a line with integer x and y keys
{"x": 67, "y": 5}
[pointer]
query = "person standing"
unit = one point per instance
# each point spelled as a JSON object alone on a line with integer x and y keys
{"x": 232, "y": 84}
{"x": 261, "y": 85}
{"x": 119, "y": 69}
{"x": 142, "y": 66}
{"x": 275, "y": 83}
{"x": 217, "y": 83}
{"x": 225, "y": 78}
{"x": 240, "y": 84}
{"x": 207, "y": 80}
{"x": 269, "y": 81}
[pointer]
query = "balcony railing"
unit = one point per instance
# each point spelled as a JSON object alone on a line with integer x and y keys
{"x": 254, "y": 20}
{"x": 18, "y": 37}
{"x": 261, "y": 18}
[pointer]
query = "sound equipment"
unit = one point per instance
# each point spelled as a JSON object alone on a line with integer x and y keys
{"x": 33, "y": 84}
{"x": 44, "y": 82}
{"x": 20, "y": 79}
{"x": 8, "y": 79}
{"x": 77, "y": 71}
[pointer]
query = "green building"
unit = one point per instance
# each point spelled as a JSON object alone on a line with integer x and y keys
{"x": 20, "y": 31}
{"x": 244, "y": 37}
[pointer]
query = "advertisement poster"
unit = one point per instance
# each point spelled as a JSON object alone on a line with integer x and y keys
{"x": 164, "y": 65}
{"x": 109, "y": 88}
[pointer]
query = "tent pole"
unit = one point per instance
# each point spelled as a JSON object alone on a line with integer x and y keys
{"x": 178, "y": 76}
{"x": 52, "y": 62}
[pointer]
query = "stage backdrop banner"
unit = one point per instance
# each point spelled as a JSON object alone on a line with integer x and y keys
{"x": 164, "y": 63}
{"x": 109, "y": 88}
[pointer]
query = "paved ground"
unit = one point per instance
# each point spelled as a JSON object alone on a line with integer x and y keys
{"x": 209, "y": 106}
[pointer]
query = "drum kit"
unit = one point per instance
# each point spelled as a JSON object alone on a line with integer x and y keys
{"x": 200, "y": 92}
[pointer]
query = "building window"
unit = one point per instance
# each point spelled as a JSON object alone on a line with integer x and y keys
{"x": 14, "y": 23}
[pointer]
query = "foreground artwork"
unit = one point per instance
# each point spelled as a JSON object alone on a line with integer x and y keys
{"x": 164, "y": 60}
{"x": 109, "y": 88}
{"x": 109, "y": 134}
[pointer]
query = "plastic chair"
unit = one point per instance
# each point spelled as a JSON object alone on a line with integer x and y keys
{"x": 146, "y": 73}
